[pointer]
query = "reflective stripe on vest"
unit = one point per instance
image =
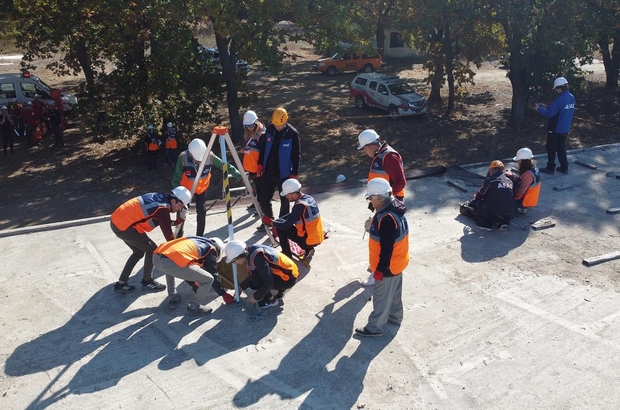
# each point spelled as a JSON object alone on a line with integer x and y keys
{"x": 280, "y": 264}
{"x": 377, "y": 170}
{"x": 189, "y": 173}
{"x": 192, "y": 250}
{"x": 310, "y": 226}
{"x": 400, "y": 252}
{"x": 250, "y": 155}
{"x": 138, "y": 212}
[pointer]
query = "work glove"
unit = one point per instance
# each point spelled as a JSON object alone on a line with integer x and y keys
{"x": 183, "y": 213}
{"x": 267, "y": 220}
{"x": 367, "y": 224}
{"x": 228, "y": 299}
{"x": 259, "y": 170}
{"x": 378, "y": 275}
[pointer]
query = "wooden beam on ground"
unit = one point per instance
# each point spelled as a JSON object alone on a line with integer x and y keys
{"x": 543, "y": 224}
{"x": 600, "y": 259}
{"x": 613, "y": 210}
{"x": 457, "y": 185}
{"x": 585, "y": 164}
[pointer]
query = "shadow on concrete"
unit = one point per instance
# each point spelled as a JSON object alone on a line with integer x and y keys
{"x": 304, "y": 370}
{"x": 95, "y": 340}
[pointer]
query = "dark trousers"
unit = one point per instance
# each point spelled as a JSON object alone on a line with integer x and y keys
{"x": 57, "y": 132}
{"x": 556, "y": 143}
{"x": 483, "y": 215}
{"x": 256, "y": 184}
{"x": 291, "y": 233}
{"x": 141, "y": 245}
{"x": 254, "y": 282}
{"x": 7, "y": 140}
{"x": 151, "y": 160}
{"x": 269, "y": 184}
{"x": 201, "y": 215}
{"x": 170, "y": 155}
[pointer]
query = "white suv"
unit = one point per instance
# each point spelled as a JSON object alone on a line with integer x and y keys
{"x": 388, "y": 92}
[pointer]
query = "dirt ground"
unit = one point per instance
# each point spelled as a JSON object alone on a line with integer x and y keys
{"x": 89, "y": 177}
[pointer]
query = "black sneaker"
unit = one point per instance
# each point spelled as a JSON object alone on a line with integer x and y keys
{"x": 562, "y": 170}
{"x": 547, "y": 171}
{"x": 174, "y": 301}
{"x": 264, "y": 304}
{"x": 362, "y": 331}
{"x": 485, "y": 226}
{"x": 260, "y": 227}
{"x": 279, "y": 295}
{"x": 198, "y": 311}
{"x": 503, "y": 227}
{"x": 123, "y": 287}
{"x": 153, "y": 286}
{"x": 309, "y": 254}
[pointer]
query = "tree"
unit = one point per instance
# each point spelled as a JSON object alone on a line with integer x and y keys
{"x": 604, "y": 19}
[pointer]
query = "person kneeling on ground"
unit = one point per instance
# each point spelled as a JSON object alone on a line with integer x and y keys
{"x": 271, "y": 273}
{"x": 388, "y": 255}
{"x": 303, "y": 225}
{"x": 193, "y": 259}
{"x": 527, "y": 182}
{"x": 494, "y": 202}
{"x": 132, "y": 220}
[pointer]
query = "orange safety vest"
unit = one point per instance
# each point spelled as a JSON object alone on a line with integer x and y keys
{"x": 171, "y": 140}
{"x": 153, "y": 145}
{"x": 530, "y": 198}
{"x": 251, "y": 152}
{"x": 138, "y": 212}
{"x": 279, "y": 264}
{"x": 377, "y": 170}
{"x": 310, "y": 226}
{"x": 190, "y": 170}
{"x": 191, "y": 250}
{"x": 400, "y": 251}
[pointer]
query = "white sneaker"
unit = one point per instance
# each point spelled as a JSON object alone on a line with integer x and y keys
{"x": 369, "y": 281}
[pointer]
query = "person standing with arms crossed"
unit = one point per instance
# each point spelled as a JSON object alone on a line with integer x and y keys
{"x": 278, "y": 160}
{"x": 560, "y": 115}
{"x": 388, "y": 247}
{"x": 386, "y": 163}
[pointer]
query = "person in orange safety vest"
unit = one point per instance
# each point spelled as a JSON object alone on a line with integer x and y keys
{"x": 253, "y": 131}
{"x": 388, "y": 247}
{"x": 193, "y": 259}
{"x": 186, "y": 172}
{"x": 271, "y": 273}
{"x": 170, "y": 144}
{"x": 152, "y": 141}
{"x": 132, "y": 220}
{"x": 528, "y": 182}
{"x": 303, "y": 225}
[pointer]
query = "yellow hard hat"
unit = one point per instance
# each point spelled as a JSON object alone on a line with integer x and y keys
{"x": 496, "y": 164}
{"x": 279, "y": 117}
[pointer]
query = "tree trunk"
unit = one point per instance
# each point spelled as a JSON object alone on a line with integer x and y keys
{"x": 447, "y": 49}
{"x": 520, "y": 93}
{"x": 81, "y": 53}
{"x": 610, "y": 60}
{"x": 381, "y": 38}
{"x": 228, "y": 60}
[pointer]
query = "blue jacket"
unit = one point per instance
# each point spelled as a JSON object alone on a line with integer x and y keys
{"x": 560, "y": 113}
{"x": 288, "y": 151}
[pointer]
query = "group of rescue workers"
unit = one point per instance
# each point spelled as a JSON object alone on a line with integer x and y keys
{"x": 32, "y": 121}
{"x": 154, "y": 144}
{"x": 271, "y": 159}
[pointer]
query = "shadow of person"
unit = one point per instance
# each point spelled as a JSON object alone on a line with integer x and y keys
{"x": 233, "y": 331}
{"x": 481, "y": 246}
{"x": 113, "y": 341}
{"x": 305, "y": 367}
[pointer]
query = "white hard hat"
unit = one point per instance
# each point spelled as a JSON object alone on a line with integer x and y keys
{"x": 169, "y": 125}
{"x": 367, "y": 137}
{"x": 197, "y": 148}
{"x": 523, "y": 153}
{"x": 220, "y": 248}
{"x": 234, "y": 249}
{"x": 559, "y": 81}
{"x": 289, "y": 186}
{"x": 249, "y": 117}
{"x": 182, "y": 194}
{"x": 340, "y": 178}
{"x": 378, "y": 186}
{"x": 150, "y": 127}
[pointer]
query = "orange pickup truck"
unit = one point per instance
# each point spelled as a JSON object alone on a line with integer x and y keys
{"x": 364, "y": 62}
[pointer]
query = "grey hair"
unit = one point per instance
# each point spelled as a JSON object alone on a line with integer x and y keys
{"x": 384, "y": 197}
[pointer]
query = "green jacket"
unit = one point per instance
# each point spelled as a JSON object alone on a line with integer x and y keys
{"x": 215, "y": 161}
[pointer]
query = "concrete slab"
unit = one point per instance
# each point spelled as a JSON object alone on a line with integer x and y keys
{"x": 493, "y": 320}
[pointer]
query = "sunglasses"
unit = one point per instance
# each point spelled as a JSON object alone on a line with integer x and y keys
{"x": 250, "y": 126}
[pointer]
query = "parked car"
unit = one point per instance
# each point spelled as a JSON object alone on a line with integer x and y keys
{"x": 388, "y": 92}
{"x": 366, "y": 62}
{"x": 22, "y": 87}
{"x": 212, "y": 55}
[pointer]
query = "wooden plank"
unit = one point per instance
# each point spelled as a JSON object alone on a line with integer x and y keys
{"x": 543, "y": 224}
{"x": 457, "y": 185}
{"x": 600, "y": 259}
{"x": 585, "y": 164}
{"x": 563, "y": 187}
{"x": 613, "y": 210}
